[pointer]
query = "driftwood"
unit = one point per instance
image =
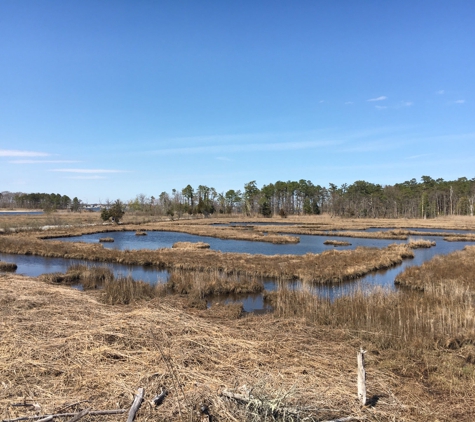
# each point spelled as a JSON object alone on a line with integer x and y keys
{"x": 136, "y": 404}
{"x": 361, "y": 377}
{"x": 47, "y": 419}
{"x": 251, "y": 401}
{"x": 80, "y": 415}
{"x": 158, "y": 399}
{"x": 65, "y": 415}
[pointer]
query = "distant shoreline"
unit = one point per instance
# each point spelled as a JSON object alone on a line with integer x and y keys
{"x": 8, "y": 210}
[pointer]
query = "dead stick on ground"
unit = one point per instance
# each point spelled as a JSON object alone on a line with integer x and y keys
{"x": 65, "y": 415}
{"x": 80, "y": 415}
{"x": 47, "y": 419}
{"x": 136, "y": 404}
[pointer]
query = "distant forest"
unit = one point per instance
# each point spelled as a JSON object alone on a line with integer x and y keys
{"x": 427, "y": 198}
{"x": 44, "y": 201}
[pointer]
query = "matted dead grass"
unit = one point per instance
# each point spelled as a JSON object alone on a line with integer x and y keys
{"x": 61, "y": 346}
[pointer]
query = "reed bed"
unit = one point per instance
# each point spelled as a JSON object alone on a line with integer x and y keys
{"x": 336, "y": 243}
{"x": 191, "y": 245}
{"x": 458, "y": 266}
{"x": 106, "y": 240}
{"x": 406, "y": 320}
{"x": 7, "y": 266}
{"x": 328, "y": 267}
{"x": 90, "y": 277}
{"x": 391, "y": 235}
{"x": 62, "y": 348}
{"x": 420, "y": 244}
{"x": 206, "y": 284}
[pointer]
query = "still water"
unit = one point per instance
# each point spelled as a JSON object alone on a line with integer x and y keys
{"x": 34, "y": 266}
{"x": 157, "y": 240}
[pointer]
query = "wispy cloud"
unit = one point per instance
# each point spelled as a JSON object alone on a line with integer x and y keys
{"x": 381, "y": 107}
{"x": 459, "y": 102}
{"x": 89, "y": 171}
{"x": 378, "y": 98}
{"x": 95, "y": 177}
{"x": 235, "y": 148}
{"x": 42, "y": 161}
{"x": 415, "y": 157}
{"x": 18, "y": 153}
{"x": 349, "y": 102}
{"x": 321, "y": 101}
{"x": 440, "y": 92}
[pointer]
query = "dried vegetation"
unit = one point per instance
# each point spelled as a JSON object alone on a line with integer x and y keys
{"x": 62, "y": 348}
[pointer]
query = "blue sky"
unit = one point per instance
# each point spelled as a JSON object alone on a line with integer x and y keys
{"x": 110, "y": 99}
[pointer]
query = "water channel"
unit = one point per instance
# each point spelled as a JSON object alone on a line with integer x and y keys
{"x": 34, "y": 265}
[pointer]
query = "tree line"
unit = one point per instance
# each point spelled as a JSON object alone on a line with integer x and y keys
{"x": 44, "y": 201}
{"x": 427, "y": 198}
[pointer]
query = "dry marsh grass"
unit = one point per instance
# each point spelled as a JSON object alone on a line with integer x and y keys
{"x": 61, "y": 347}
{"x": 7, "y": 266}
{"x": 205, "y": 284}
{"x": 420, "y": 244}
{"x": 106, "y": 240}
{"x": 336, "y": 243}
{"x": 191, "y": 245}
{"x": 328, "y": 267}
{"x": 458, "y": 266}
{"x": 125, "y": 290}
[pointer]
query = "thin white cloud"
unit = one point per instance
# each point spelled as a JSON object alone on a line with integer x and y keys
{"x": 349, "y": 102}
{"x": 89, "y": 171}
{"x": 380, "y": 107}
{"x": 276, "y": 146}
{"x": 440, "y": 92}
{"x": 321, "y": 101}
{"x": 378, "y": 98}
{"x": 42, "y": 161}
{"x": 18, "y": 153}
{"x": 415, "y": 157}
{"x": 459, "y": 101}
{"x": 87, "y": 177}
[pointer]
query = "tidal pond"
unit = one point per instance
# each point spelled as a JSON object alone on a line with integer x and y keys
{"x": 34, "y": 265}
{"x": 157, "y": 240}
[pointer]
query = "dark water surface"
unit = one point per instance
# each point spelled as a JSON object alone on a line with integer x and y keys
{"x": 34, "y": 265}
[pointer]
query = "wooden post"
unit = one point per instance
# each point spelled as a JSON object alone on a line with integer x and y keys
{"x": 361, "y": 377}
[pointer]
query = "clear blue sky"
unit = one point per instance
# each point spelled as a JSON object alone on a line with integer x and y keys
{"x": 109, "y": 99}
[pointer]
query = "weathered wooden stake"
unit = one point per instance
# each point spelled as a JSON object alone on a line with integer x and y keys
{"x": 361, "y": 377}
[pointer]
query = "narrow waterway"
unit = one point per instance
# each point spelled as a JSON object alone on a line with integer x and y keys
{"x": 34, "y": 265}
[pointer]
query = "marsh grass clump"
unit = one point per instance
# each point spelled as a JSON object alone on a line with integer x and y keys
{"x": 140, "y": 233}
{"x": 191, "y": 245}
{"x": 106, "y": 240}
{"x": 89, "y": 277}
{"x": 336, "y": 243}
{"x": 124, "y": 290}
{"x": 206, "y": 284}
{"x": 8, "y": 266}
{"x": 420, "y": 243}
